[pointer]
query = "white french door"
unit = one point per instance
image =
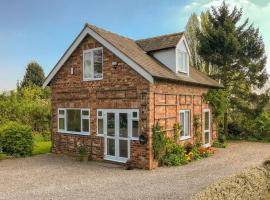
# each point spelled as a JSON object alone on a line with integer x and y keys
{"x": 207, "y": 127}
{"x": 117, "y": 134}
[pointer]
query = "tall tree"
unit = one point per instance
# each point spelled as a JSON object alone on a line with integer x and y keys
{"x": 237, "y": 52}
{"x": 197, "y": 23}
{"x": 34, "y": 75}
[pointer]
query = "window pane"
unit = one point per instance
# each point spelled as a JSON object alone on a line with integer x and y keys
{"x": 100, "y": 126}
{"x": 134, "y": 114}
{"x": 135, "y": 128}
{"x": 85, "y": 123}
{"x": 85, "y": 112}
{"x": 182, "y": 120}
{"x": 123, "y": 148}
{"x": 123, "y": 125}
{"x": 207, "y": 137}
{"x": 74, "y": 120}
{"x": 61, "y": 112}
{"x": 98, "y": 63}
{"x": 206, "y": 121}
{"x": 100, "y": 113}
{"x": 110, "y": 124}
{"x": 187, "y": 123}
{"x": 110, "y": 147}
{"x": 62, "y": 123}
{"x": 87, "y": 65}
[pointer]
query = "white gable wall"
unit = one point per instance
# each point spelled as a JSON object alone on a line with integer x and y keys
{"x": 182, "y": 46}
{"x": 168, "y": 56}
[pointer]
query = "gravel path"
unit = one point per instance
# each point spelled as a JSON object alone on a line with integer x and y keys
{"x": 57, "y": 177}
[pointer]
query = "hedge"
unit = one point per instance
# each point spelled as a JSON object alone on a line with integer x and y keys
{"x": 16, "y": 139}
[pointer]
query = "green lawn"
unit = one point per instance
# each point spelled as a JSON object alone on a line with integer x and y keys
{"x": 41, "y": 147}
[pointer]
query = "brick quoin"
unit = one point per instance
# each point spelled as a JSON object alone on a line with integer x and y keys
{"x": 121, "y": 88}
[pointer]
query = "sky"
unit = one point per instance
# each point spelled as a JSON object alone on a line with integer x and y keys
{"x": 36, "y": 30}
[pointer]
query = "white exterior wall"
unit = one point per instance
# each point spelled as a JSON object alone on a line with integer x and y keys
{"x": 166, "y": 57}
{"x": 182, "y": 46}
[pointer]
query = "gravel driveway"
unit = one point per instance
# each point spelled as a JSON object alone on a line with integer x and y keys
{"x": 57, "y": 177}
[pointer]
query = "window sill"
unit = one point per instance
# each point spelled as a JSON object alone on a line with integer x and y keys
{"x": 92, "y": 79}
{"x": 74, "y": 133}
{"x": 185, "y": 137}
{"x": 100, "y": 135}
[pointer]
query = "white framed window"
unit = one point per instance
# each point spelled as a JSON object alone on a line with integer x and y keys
{"x": 74, "y": 121}
{"x": 93, "y": 64}
{"x": 185, "y": 122}
{"x": 100, "y": 123}
{"x": 207, "y": 127}
{"x": 135, "y": 124}
{"x": 182, "y": 61}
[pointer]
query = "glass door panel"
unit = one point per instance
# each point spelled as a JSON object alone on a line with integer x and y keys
{"x": 111, "y": 147}
{"x": 111, "y": 124}
{"x": 123, "y": 125}
{"x": 123, "y": 148}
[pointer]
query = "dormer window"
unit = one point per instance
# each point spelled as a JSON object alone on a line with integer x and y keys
{"x": 93, "y": 64}
{"x": 182, "y": 61}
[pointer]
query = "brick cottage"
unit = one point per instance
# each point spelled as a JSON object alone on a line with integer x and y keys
{"x": 108, "y": 91}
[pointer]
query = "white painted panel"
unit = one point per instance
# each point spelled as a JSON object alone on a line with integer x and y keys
{"x": 182, "y": 46}
{"x": 166, "y": 57}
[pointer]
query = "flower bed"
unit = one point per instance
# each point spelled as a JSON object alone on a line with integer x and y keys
{"x": 167, "y": 151}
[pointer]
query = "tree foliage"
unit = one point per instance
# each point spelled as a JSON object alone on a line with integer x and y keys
{"x": 30, "y": 106}
{"x": 34, "y": 76}
{"x": 236, "y": 51}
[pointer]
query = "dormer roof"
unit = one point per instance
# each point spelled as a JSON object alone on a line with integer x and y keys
{"x": 160, "y": 42}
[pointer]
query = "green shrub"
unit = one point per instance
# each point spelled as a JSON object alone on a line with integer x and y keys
{"x": 196, "y": 154}
{"x": 83, "y": 153}
{"x": 2, "y": 156}
{"x": 41, "y": 148}
{"x": 174, "y": 160}
{"x": 16, "y": 139}
{"x": 160, "y": 141}
{"x": 219, "y": 144}
{"x": 188, "y": 147}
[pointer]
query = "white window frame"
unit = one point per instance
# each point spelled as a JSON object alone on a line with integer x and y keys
{"x": 132, "y": 120}
{"x": 92, "y": 64}
{"x": 65, "y": 118}
{"x": 209, "y": 125}
{"x": 188, "y": 136}
{"x": 100, "y": 117}
{"x": 182, "y": 67}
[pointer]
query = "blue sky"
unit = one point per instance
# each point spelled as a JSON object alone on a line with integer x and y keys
{"x": 42, "y": 30}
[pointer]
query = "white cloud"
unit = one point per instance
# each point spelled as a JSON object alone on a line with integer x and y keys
{"x": 257, "y": 11}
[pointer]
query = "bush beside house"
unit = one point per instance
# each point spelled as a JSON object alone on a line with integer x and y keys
{"x": 16, "y": 139}
{"x": 167, "y": 151}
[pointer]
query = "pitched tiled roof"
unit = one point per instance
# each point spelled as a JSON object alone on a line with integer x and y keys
{"x": 160, "y": 42}
{"x": 134, "y": 52}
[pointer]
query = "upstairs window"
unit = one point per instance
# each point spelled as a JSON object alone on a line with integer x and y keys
{"x": 93, "y": 64}
{"x": 182, "y": 61}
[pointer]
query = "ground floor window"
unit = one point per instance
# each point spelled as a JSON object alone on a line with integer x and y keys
{"x": 207, "y": 125}
{"x": 185, "y": 122}
{"x": 74, "y": 121}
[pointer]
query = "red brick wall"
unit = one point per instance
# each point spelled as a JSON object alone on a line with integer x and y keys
{"x": 70, "y": 91}
{"x": 167, "y": 99}
{"x": 120, "y": 88}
